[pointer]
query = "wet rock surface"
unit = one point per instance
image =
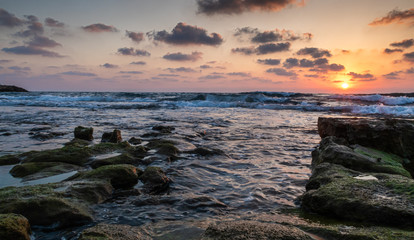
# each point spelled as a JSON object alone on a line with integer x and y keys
{"x": 84, "y": 133}
{"x": 112, "y": 137}
{"x": 14, "y": 227}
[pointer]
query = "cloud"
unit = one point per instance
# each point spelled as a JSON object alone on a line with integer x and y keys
{"x": 395, "y": 16}
{"x": 5, "y": 61}
{"x": 9, "y": 20}
{"x": 269, "y": 61}
{"x": 410, "y": 71}
{"x": 305, "y": 63}
{"x": 409, "y": 57}
{"x": 194, "y": 56}
{"x": 133, "y": 52}
{"x": 99, "y": 27}
{"x": 131, "y": 72}
{"x": 367, "y": 77}
{"x": 263, "y": 49}
{"x": 42, "y": 42}
{"x": 181, "y": 69}
{"x": 19, "y": 69}
{"x": 210, "y": 7}
{"x": 50, "y": 22}
{"x": 281, "y": 72}
{"x": 205, "y": 66}
{"x": 333, "y": 67}
{"x": 314, "y": 52}
{"x": 184, "y": 34}
{"x": 35, "y": 28}
{"x": 240, "y": 74}
{"x": 404, "y": 43}
{"x": 135, "y": 36}
{"x": 312, "y": 75}
{"x": 390, "y": 51}
{"x": 392, "y": 75}
{"x": 31, "y": 50}
{"x": 108, "y": 65}
{"x": 211, "y": 77}
{"x": 245, "y": 50}
{"x": 138, "y": 63}
{"x": 270, "y": 36}
{"x": 81, "y": 74}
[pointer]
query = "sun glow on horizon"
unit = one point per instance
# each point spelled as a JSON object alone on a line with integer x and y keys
{"x": 345, "y": 85}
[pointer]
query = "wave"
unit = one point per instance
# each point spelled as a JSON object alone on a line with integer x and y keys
{"x": 377, "y": 98}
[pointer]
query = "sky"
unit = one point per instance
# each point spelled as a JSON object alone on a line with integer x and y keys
{"x": 310, "y": 46}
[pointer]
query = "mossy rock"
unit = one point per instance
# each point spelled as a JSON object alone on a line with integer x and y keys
{"x": 84, "y": 133}
{"x": 164, "y": 147}
{"x": 91, "y": 191}
{"x": 120, "y": 176}
{"x": 67, "y": 154}
{"x": 380, "y": 198}
{"x": 107, "y": 147}
{"x": 43, "y": 205}
{"x": 154, "y": 179}
{"x": 157, "y": 143}
{"x": 48, "y": 168}
{"x": 14, "y": 226}
{"x": 9, "y": 160}
{"x": 76, "y": 142}
{"x": 114, "y": 232}
{"x": 124, "y": 158}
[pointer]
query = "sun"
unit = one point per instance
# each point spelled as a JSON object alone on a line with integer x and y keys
{"x": 345, "y": 85}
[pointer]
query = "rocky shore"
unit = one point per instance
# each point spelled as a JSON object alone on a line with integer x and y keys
{"x": 11, "y": 88}
{"x": 361, "y": 187}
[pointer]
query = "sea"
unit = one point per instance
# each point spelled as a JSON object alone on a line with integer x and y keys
{"x": 266, "y": 138}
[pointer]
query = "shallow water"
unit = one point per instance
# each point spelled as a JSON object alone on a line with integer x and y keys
{"x": 265, "y": 166}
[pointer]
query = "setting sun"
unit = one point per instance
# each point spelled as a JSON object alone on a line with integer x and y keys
{"x": 345, "y": 85}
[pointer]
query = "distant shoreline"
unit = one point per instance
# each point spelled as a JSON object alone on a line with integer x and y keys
{"x": 11, "y": 88}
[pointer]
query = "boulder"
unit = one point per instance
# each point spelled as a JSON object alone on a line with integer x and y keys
{"x": 135, "y": 141}
{"x": 42, "y": 169}
{"x": 155, "y": 181}
{"x": 164, "y": 129}
{"x": 114, "y": 232}
{"x": 112, "y": 137}
{"x": 9, "y": 160}
{"x": 357, "y": 157}
{"x": 379, "y": 198}
{"x": 14, "y": 226}
{"x": 84, "y": 133}
{"x": 91, "y": 191}
{"x": 389, "y": 135}
{"x": 246, "y": 230}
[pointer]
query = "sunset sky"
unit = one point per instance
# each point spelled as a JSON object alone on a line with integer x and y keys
{"x": 208, "y": 45}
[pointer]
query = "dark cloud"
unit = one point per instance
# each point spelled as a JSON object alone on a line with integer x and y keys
{"x": 168, "y": 75}
{"x": 9, "y": 20}
{"x": 184, "y": 34}
{"x": 81, "y": 74}
{"x": 395, "y": 16}
{"x": 409, "y": 57}
{"x": 108, "y": 65}
{"x": 390, "y": 51}
{"x": 314, "y": 52}
{"x": 269, "y": 61}
{"x": 362, "y": 77}
{"x": 135, "y": 36}
{"x": 138, "y": 63}
{"x": 205, "y": 66}
{"x": 245, "y": 50}
{"x": 211, "y": 77}
{"x": 211, "y": 7}
{"x": 99, "y": 27}
{"x": 311, "y": 75}
{"x": 305, "y": 63}
{"x": 410, "y": 70}
{"x": 333, "y": 67}
{"x": 42, "y": 42}
{"x": 5, "y": 61}
{"x": 133, "y": 52}
{"x": 272, "y": 47}
{"x": 50, "y": 22}
{"x": 240, "y": 74}
{"x": 34, "y": 28}
{"x": 131, "y": 72}
{"x": 270, "y": 36}
{"x": 30, "y": 50}
{"x": 194, "y": 56}
{"x": 404, "y": 43}
{"x": 181, "y": 69}
{"x": 392, "y": 75}
{"x": 281, "y": 72}
{"x": 246, "y": 31}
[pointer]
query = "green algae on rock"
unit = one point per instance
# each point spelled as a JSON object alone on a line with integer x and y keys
{"x": 154, "y": 179}
{"x": 14, "y": 226}
{"x": 84, "y": 133}
{"x": 114, "y": 232}
{"x": 47, "y": 169}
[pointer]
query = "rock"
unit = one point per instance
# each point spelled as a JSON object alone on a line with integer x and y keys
{"x": 9, "y": 160}
{"x": 120, "y": 176}
{"x": 124, "y": 158}
{"x": 155, "y": 181}
{"x": 336, "y": 191}
{"x": 114, "y": 232}
{"x": 84, "y": 133}
{"x": 135, "y": 141}
{"x": 246, "y": 230}
{"x": 10, "y": 88}
{"x": 164, "y": 129}
{"x": 44, "y": 205}
{"x": 164, "y": 147}
{"x": 360, "y": 158}
{"x": 14, "y": 226}
{"x": 68, "y": 154}
{"x": 91, "y": 191}
{"x": 112, "y": 137}
{"x": 389, "y": 135}
{"x": 45, "y": 168}
{"x": 46, "y": 136}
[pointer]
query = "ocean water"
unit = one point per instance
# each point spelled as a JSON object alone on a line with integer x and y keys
{"x": 267, "y": 138}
